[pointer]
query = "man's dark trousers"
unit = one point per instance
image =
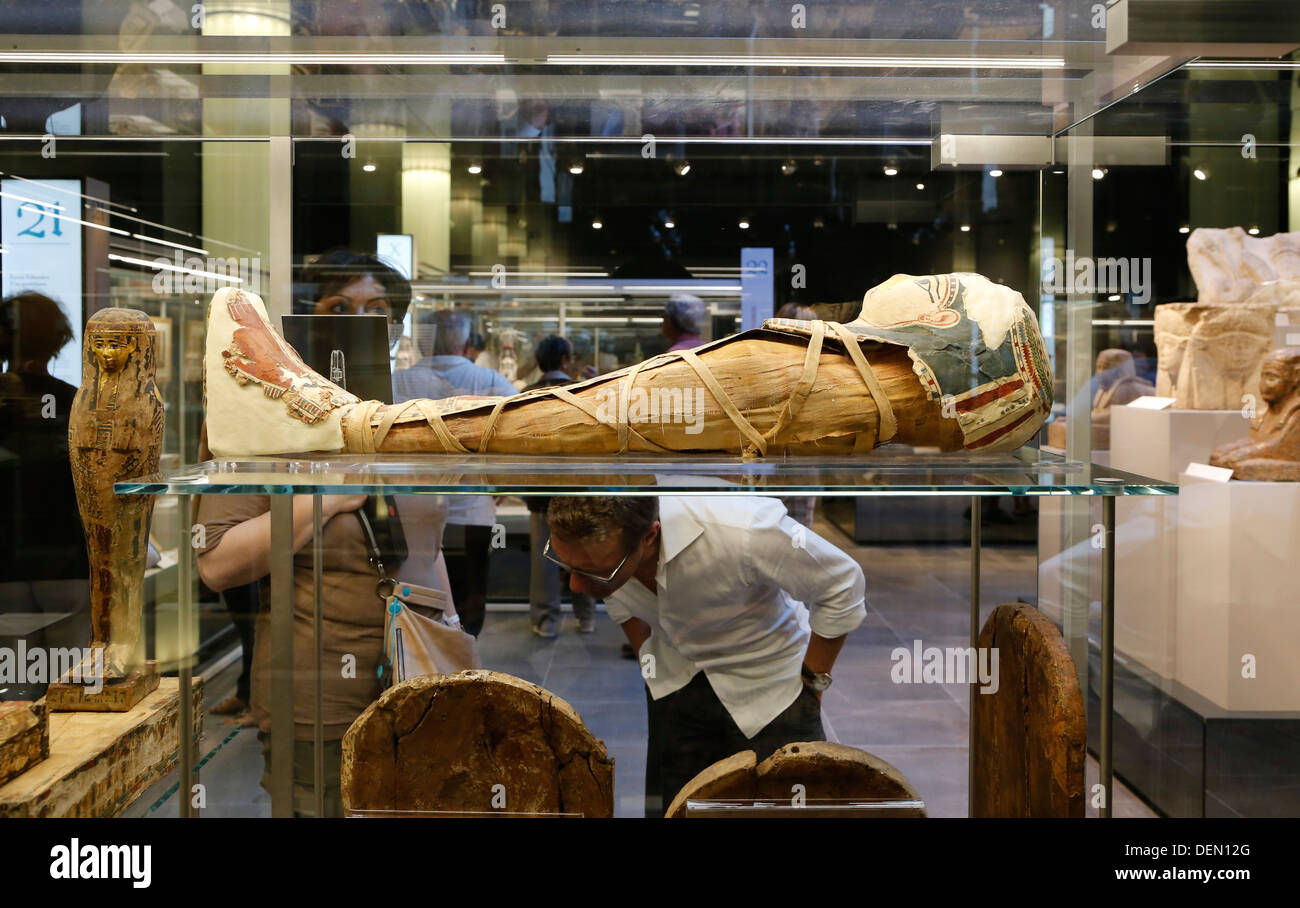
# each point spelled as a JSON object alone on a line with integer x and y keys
{"x": 691, "y": 730}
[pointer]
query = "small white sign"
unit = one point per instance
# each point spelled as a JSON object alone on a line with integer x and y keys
{"x": 1292, "y": 339}
{"x": 1205, "y": 471}
{"x": 1152, "y": 403}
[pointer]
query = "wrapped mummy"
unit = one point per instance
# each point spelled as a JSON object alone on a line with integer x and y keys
{"x": 952, "y": 361}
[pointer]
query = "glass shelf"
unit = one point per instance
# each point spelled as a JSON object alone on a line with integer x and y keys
{"x": 899, "y": 471}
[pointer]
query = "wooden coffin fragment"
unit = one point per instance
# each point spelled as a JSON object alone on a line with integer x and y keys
{"x": 475, "y": 742}
{"x": 1031, "y": 734}
{"x": 826, "y": 771}
{"x": 24, "y": 736}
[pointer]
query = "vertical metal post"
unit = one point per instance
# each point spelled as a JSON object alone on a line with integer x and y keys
{"x": 976, "y": 518}
{"x": 1107, "y": 652}
{"x": 184, "y": 656}
{"x": 318, "y": 706}
{"x": 282, "y": 730}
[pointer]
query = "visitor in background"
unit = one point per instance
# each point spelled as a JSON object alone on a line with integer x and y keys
{"x": 546, "y": 579}
{"x": 43, "y": 562}
{"x": 445, "y": 370}
{"x": 683, "y": 322}
{"x": 237, "y": 534}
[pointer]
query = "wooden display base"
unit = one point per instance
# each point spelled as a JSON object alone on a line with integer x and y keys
{"x": 24, "y": 736}
{"x": 116, "y": 696}
{"x": 99, "y": 763}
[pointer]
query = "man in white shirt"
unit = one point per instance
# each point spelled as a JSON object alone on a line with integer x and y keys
{"x": 710, "y": 593}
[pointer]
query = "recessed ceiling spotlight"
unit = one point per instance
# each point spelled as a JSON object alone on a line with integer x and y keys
{"x": 744, "y": 224}
{"x": 1201, "y": 173}
{"x": 818, "y": 223}
{"x": 891, "y": 170}
{"x": 1184, "y": 229}
{"x": 1113, "y": 298}
{"x": 682, "y": 168}
{"x": 597, "y": 223}
{"x": 669, "y": 224}
{"x": 475, "y": 167}
{"x": 1098, "y": 173}
{"x": 1058, "y": 171}
{"x": 1253, "y": 231}
{"x": 369, "y": 167}
{"x": 920, "y": 185}
{"x": 575, "y": 168}
{"x": 965, "y": 228}
{"x": 788, "y": 166}
{"x": 995, "y": 173}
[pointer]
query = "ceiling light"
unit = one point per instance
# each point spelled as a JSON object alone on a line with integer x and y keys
{"x": 597, "y": 223}
{"x": 1114, "y": 298}
{"x": 199, "y": 57}
{"x": 818, "y": 223}
{"x": 965, "y": 228}
{"x": 369, "y": 167}
{"x": 1058, "y": 171}
{"x": 575, "y": 168}
{"x": 163, "y": 266}
{"x": 744, "y": 224}
{"x": 920, "y": 185}
{"x": 1098, "y": 173}
{"x": 891, "y": 170}
{"x": 1201, "y": 173}
{"x": 475, "y": 167}
{"x": 907, "y": 62}
{"x": 1253, "y": 231}
{"x": 995, "y": 173}
{"x": 788, "y": 166}
{"x": 682, "y": 168}
{"x": 669, "y": 224}
{"x": 154, "y": 239}
{"x": 1184, "y": 229}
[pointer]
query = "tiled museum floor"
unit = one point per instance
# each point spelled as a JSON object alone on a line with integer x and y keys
{"x": 913, "y": 593}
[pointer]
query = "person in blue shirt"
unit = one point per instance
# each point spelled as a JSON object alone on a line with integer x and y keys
{"x": 444, "y": 370}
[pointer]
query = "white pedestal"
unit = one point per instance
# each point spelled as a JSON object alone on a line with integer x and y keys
{"x": 1238, "y": 577}
{"x": 1161, "y": 443}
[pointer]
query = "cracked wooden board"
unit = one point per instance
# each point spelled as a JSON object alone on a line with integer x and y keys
{"x": 1030, "y": 735}
{"x": 476, "y": 741}
{"x": 827, "y": 771}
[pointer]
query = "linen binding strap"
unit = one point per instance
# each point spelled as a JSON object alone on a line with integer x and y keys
{"x": 361, "y": 437}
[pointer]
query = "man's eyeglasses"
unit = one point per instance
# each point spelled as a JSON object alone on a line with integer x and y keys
{"x": 546, "y": 553}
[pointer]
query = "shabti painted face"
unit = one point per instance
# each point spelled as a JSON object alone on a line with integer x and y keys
{"x": 113, "y": 349}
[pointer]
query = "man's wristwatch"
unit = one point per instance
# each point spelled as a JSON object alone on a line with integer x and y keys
{"x": 817, "y": 681}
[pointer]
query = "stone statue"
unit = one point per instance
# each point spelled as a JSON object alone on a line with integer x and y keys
{"x": 115, "y": 433}
{"x": 1229, "y": 265}
{"x": 1118, "y": 383}
{"x": 1272, "y": 452}
{"x": 1209, "y": 355}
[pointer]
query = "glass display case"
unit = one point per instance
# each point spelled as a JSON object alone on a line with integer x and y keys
{"x": 577, "y": 169}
